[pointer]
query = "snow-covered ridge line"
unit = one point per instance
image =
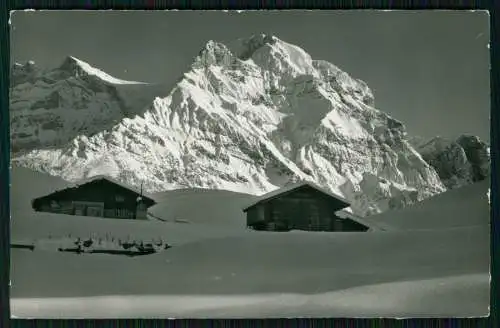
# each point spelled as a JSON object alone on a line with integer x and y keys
{"x": 100, "y": 74}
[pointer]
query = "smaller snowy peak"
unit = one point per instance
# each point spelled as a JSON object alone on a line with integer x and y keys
{"x": 50, "y": 107}
{"x": 28, "y": 64}
{"x": 22, "y": 73}
{"x": 26, "y": 67}
{"x": 458, "y": 162}
{"x": 78, "y": 68}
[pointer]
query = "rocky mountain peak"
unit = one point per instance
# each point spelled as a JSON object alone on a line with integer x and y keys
{"x": 458, "y": 162}
{"x": 73, "y": 68}
{"x": 51, "y": 107}
{"x": 478, "y": 154}
{"x": 71, "y": 65}
{"x": 213, "y": 53}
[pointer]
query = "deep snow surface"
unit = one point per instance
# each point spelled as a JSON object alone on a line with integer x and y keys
{"x": 462, "y": 207}
{"x": 424, "y": 298}
{"x": 222, "y": 270}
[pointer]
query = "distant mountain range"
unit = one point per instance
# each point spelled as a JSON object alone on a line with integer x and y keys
{"x": 248, "y": 118}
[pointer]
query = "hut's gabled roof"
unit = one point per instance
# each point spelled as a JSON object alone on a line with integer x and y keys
{"x": 287, "y": 189}
{"x": 107, "y": 178}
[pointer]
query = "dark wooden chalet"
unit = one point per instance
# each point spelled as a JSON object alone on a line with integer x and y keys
{"x": 302, "y": 206}
{"x": 98, "y": 196}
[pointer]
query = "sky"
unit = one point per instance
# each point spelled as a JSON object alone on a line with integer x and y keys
{"x": 428, "y": 69}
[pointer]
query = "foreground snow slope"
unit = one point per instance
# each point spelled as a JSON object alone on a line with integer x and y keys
{"x": 38, "y": 228}
{"x": 257, "y": 263}
{"x": 458, "y": 296}
{"x": 212, "y": 271}
{"x": 461, "y": 207}
{"x": 249, "y": 118}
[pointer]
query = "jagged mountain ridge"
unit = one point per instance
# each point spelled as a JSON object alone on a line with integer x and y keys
{"x": 458, "y": 162}
{"x": 250, "y": 118}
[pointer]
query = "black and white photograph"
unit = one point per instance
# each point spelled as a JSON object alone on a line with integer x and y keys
{"x": 249, "y": 164}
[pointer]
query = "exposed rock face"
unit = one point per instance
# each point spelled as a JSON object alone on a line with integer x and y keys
{"x": 51, "y": 108}
{"x": 478, "y": 154}
{"x": 249, "y": 119}
{"x": 458, "y": 162}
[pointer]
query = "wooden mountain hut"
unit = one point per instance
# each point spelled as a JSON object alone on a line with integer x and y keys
{"x": 99, "y": 196}
{"x": 302, "y": 206}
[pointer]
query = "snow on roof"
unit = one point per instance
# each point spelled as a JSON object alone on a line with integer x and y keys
{"x": 104, "y": 177}
{"x": 290, "y": 188}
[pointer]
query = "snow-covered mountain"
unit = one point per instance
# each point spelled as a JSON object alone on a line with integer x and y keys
{"x": 247, "y": 118}
{"x": 458, "y": 162}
